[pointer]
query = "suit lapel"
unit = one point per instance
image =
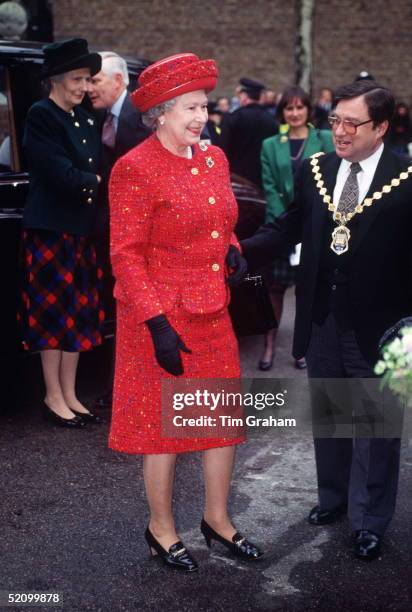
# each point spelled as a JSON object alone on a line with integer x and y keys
{"x": 312, "y": 145}
{"x": 123, "y": 129}
{"x": 385, "y": 172}
{"x": 282, "y": 153}
{"x": 329, "y": 168}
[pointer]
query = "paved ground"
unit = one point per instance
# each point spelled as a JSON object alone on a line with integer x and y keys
{"x": 72, "y": 517}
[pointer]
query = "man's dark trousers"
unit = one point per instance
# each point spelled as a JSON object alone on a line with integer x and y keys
{"x": 361, "y": 473}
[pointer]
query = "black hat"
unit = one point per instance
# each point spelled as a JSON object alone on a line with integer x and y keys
{"x": 212, "y": 109}
{"x": 60, "y": 57}
{"x": 251, "y": 86}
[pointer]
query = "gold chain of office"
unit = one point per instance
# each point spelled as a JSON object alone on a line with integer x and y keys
{"x": 341, "y": 234}
{"x": 342, "y": 217}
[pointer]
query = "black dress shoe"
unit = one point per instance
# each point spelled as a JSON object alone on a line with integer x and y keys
{"x": 367, "y": 545}
{"x": 300, "y": 364}
{"x": 317, "y": 516}
{"x": 88, "y": 417}
{"x": 53, "y": 417}
{"x": 238, "y": 546}
{"x": 265, "y": 365}
{"x": 177, "y": 556}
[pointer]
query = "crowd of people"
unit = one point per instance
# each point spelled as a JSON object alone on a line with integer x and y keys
{"x": 158, "y": 163}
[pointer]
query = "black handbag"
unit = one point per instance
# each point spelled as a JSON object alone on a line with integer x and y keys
{"x": 250, "y": 307}
{"x": 251, "y": 207}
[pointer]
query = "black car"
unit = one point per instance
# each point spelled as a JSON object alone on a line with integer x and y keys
{"x": 20, "y": 87}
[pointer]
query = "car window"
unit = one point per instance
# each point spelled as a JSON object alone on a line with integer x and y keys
{"x": 25, "y": 89}
{"x": 7, "y": 159}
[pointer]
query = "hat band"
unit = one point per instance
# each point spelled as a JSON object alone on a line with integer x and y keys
{"x": 144, "y": 103}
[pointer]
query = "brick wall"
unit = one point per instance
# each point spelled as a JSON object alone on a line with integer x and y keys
{"x": 354, "y": 35}
{"x": 228, "y": 31}
{"x": 253, "y": 37}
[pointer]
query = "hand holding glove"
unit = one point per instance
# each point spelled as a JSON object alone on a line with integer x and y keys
{"x": 238, "y": 266}
{"x": 167, "y": 345}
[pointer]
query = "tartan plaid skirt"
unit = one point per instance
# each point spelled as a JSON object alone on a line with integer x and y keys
{"x": 61, "y": 305}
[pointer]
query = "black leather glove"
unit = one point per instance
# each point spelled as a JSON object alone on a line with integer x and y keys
{"x": 237, "y": 264}
{"x": 167, "y": 345}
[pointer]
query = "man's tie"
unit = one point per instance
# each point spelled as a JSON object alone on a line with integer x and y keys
{"x": 109, "y": 131}
{"x": 350, "y": 192}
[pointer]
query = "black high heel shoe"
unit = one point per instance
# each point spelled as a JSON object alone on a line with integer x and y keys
{"x": 239, "y": 546}
{"x": 177, "y": 556}
{"x": 53, "y": 417}
{"x": 88, "y": 417}
{"x": 264, "y": 366}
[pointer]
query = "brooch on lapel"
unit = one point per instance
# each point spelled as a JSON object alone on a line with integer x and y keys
{"x": 209, "y": 162}
{"x": 283, "y": 132}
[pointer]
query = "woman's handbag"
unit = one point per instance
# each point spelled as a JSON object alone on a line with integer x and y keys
{"x": 250, "y": 307}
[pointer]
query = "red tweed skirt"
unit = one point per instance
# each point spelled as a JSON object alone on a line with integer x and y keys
{"x": 136, "y": 426}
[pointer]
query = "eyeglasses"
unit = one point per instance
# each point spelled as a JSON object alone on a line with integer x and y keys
{"x": 349, "y": 127}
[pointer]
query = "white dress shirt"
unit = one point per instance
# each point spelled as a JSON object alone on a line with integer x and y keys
{"x": 116, "y": 109}
{"x": 364, "y": 177}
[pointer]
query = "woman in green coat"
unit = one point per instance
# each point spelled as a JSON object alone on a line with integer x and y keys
{"x": 281, "y": 156}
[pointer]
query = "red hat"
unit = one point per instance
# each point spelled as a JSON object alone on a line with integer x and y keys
{"x": 173, "y": 76}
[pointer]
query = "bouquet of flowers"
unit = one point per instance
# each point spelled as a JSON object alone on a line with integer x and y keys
{"x": 396, "y": 362}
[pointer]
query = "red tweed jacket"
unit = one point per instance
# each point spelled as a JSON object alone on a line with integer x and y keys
{"x": 171, "y": 224}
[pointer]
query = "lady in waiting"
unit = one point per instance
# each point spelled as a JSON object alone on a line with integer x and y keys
{"x": 61, "y": 307}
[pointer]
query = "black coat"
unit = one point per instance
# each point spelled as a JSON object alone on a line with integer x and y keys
{"x": 243, "y": 132}
{"x": 62, "y": 152}
{"x": 377, "y": 266}
{"x": 130, "y": 132}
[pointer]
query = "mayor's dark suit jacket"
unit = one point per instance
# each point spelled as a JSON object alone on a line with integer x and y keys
{"x": 243, "y": 132}
{"x": 369, "y": 287}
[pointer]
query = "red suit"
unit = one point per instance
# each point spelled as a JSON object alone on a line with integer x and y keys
{"x": 172, "y": 222}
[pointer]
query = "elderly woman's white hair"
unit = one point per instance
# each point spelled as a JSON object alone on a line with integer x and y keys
{"x": 13, "y": 20}
{"x": 151, "y": 116}
{"x": 112, "y": 64}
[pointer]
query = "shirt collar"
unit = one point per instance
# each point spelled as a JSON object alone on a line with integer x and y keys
{"x": 369, "y": 164}
{"x": 117, "y": 106}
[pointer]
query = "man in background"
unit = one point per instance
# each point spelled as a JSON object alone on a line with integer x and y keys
{"x": 244, "y": 130}
{"x": 122, "y": 129}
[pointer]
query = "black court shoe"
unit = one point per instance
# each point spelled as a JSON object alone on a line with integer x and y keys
{"x": 53, "y": 417}
{"x": 177, "y": 556}
{"x": 265, "y": 366}
{"x": 238, "y": 546}
{"x": 88, "y": 417}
